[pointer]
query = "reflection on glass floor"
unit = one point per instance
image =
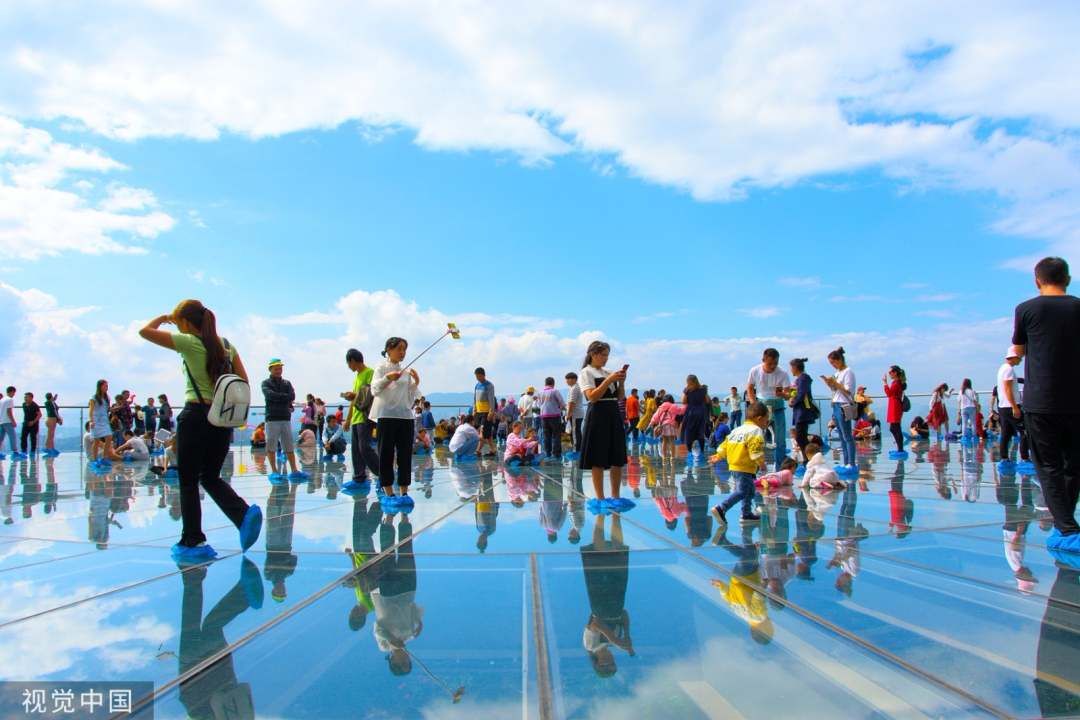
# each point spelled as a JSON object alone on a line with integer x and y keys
{"x": 923, "y": 590}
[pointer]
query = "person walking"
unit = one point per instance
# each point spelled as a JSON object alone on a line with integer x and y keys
{"x": 694, "y": 427}
{"x": 7, "y": 422}
{"x": 1010, "y": 408}
{"x": 395, "y": 390}
{"x": 1046, "y": 333}
{"x": 484, "y": 411}
{"x": 201, "y": 448}
{"x": 359, "y": 424}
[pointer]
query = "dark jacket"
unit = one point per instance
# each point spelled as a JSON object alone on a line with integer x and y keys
{"x": 799, "y": 412}
{"x": 279, "y": 395}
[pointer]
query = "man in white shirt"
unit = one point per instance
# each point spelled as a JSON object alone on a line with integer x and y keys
{"x": 575, "y": 408}
{"x": 1010, "y": 413}
{"x": 529, "y": 407}
{"x": 769, "y": 384}
{"x": 7, "y": 420}
{"x": 133, "y": 447}
{"x": 466, "y": 438}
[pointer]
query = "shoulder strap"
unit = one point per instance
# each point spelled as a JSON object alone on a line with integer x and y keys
{"x": 193, "y": 383}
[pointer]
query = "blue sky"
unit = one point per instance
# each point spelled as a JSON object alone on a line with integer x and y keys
{"x": 869, "y": 189}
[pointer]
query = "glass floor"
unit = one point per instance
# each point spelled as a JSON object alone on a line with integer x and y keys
{"x": 923, "y": 590}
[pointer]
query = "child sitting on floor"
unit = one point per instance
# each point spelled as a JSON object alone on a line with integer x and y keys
{"x": 423, "y": 442}
{"x": 818, "y": 474}
{"x": 522, "y": 448}
{"x": 780, "y": 478}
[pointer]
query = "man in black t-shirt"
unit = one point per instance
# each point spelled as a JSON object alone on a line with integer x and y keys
{"x": 1047, "y": 334}
{"x": 31, "y": 423}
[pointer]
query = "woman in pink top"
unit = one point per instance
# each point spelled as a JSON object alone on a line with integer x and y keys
{"x": 517, "y": 446}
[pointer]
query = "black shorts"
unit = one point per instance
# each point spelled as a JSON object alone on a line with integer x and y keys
{"x": 486, "y": 427}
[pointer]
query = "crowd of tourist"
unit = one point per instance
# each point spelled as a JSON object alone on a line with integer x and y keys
{"x": 387, "y": 421}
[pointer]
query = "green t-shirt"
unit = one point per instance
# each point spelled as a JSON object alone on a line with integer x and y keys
{"x": 194, "y": 354}
{"x": 362, "y": 378}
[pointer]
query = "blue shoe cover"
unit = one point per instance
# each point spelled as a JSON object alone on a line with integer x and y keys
{"x": 465, "y": 457}
{"x": 250, "y": 527}
{"x": 572, "y": 455}
{"x": 1006, "y": 467}
{"x": 800, "y": 471}
{"x": 1065, "y": 557}
{"x": 298, "y": 476}
{"x": 251, "y": 582}
{"x": 1067, "y": 543}
{"x": 405, "y": 504}
{"x": 184, "y": 555}
{"x": 597, "y": 507}
{"x": 1025, "y": 467}
{"x": 128, "y": 459}
{"x": 898, "y": 455}
{"x": 845, "y": 470}
{"x": 620, "y": 504}
{"x": 354, "y": 487}
{"x": 341, "y": 458}
{"x": 276, "y": 478}
{"x": 3, "y": 456}
{"x": 389, "y": 503}
{"x": 514, "y": 461}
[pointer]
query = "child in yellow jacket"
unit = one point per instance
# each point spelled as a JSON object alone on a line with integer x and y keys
{"x": 744, "y": 450}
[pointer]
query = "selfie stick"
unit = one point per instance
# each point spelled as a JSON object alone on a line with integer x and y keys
{"x": 455, "y": 695}
{"x": 451, "y": 330}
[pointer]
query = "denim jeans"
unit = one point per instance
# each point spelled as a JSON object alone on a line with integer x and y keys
{"x": 744, "y": 490}
{"x": 7, "y": 430}
{"x": 967, "y": 417}
{"x": 847, "y": 439}
{"x": 779, "y": 423}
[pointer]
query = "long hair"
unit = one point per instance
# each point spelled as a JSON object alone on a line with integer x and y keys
{"x": 966, "y": 384}
{"x": 595, "y": 347}
{"x": 900, "y": 375}
{"x": 100, "y": 396}
{"x": 203, "y": 320}
{"x": 692, "y": 383}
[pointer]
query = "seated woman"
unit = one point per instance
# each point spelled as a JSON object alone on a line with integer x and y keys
{"x": 442, "y": 432}
{"x": 920, "y": 429}
{"x": 258, "y": 437}
{"x": 524, "y": 448}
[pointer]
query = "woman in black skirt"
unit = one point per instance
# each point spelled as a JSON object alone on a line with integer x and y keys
{"x": 604, "y": 445}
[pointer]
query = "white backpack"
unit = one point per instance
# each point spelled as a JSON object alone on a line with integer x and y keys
{"x": 232, "y": 397}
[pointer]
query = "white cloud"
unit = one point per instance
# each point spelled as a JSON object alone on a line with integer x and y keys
{"x": 761, "y": 313}
{"x": 515, "y": 355}
{"x": 717, "y": 100}
{"x": 45, "y": 210}
{"x": 936, "y": 297}
{"x": 940, "y": 314}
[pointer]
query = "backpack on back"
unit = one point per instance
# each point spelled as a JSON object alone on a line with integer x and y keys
{"x": 232, "y": 397}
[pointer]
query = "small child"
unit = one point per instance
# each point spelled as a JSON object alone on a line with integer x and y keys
{"x": 819, "y": 475}
{"x": 722, "y": 430}
{"x": 522, "y": 448}
{"x": 423, "y": 442}
{"x": 666, "y": 419}
{"x": 780, "y": 478}
{"x": 744, "y": 450}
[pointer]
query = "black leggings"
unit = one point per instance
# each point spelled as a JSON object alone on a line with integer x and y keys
{"x": 802, "y": 437}
{"x": 553, "y": 427}
{"x": 395, "y": 439}
{"x": 200, "y": 452}
{"x": 898, "y": 436}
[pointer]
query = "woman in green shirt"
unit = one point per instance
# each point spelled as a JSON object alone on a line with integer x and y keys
{"x": 201, "y": 447}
